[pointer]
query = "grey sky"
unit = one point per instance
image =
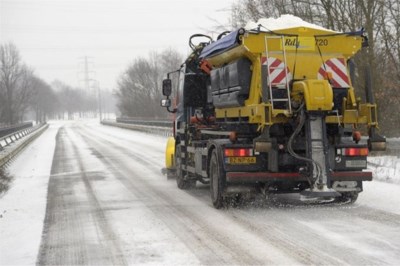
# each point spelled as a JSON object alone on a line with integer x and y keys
{"x": 53, "y": 36}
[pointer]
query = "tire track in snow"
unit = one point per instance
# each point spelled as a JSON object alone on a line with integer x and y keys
{"x": 65, "y": 238}
{"x": 277, "y": 238}
{"x": 304, "y": 235}
{"x": 273, "y": 236}
{"x": 210, "y": 247}
{"x": 306, "y": 245}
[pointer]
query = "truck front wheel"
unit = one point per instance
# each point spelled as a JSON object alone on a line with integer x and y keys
{"x": 217, "y": 181}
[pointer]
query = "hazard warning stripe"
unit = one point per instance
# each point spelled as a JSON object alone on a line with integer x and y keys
{"x": 280, "y": 77}
{"x": 337, "y": 67}
{"x": 275, "y": 63}
{"x": 263, "y": 60}
{"x": 276, "y": 70}
{"x": 276, "y": 74}
{"x": 341, "y": 72}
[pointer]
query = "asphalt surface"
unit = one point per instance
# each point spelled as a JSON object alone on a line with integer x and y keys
{"x": 108, "y": 203}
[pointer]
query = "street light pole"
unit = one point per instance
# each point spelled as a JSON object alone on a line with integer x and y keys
{"x": 97, "y": 86}
{"x": 99, "y": 92}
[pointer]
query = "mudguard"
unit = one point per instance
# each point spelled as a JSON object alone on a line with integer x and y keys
{"x": 170, "y": 153}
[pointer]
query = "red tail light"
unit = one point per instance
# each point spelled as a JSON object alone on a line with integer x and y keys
{"x": 238, "y": 152}
{"x": 355, "y": 151}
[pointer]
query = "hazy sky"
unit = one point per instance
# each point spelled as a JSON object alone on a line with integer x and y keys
{"x": 53, "y": 36}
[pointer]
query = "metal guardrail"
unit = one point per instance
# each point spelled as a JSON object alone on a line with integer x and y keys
{"x": 10, "y": 144}
{"x": 10, "y": 129}
{"x": 156, "y": 123}
{"x": 162, "y": 127}
{"x": 157, "y": 130}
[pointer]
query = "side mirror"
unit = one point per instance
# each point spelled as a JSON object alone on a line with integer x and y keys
{"x": 166, "y": 87}
{"x": 165, "y": 103}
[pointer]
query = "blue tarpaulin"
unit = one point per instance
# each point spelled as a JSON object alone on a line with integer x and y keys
{"x": 222, "y": 44}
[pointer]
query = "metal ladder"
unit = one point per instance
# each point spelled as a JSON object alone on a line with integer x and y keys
{"x": 281, "y": 52}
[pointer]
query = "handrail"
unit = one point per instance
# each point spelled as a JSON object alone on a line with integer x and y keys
{"x": 14, "y": 136}
{"x": 10, "y": 129}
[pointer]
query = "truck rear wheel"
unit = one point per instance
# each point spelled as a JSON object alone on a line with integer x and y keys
{"x": 181, "y": 174}
{"x": 217, "y": 181}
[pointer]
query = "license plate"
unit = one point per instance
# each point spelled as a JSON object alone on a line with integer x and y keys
{"x": 356, "y": 164}
{"x": 241, "y": 160}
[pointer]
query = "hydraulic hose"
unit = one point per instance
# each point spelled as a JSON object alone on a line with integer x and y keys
{"x": 295, "y": 155}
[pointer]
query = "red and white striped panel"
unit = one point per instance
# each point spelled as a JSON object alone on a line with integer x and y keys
{"x": 337, "y": 66}
{"x": 277, "y": 71}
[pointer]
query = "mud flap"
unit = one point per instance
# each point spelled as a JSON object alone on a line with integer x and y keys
{"x": 376, "y": 142}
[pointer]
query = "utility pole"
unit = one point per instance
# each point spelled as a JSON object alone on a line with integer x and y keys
{"x": 86, "y": 72}
{"x": 99, "y": 98}
{"x": 86, "y": 75}
{"x": 100, "y": 103}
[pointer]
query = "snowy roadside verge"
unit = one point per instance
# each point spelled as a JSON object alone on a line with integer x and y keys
{"x": 385, "y": 166}
{"x": 22, "y": 207}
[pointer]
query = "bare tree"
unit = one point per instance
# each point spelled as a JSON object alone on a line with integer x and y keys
{"x": 139, "y": 87}
{"x": 24, "y": 93}
{"x": 44, "y": 101}
{"x": 387, "y": 60}
{"x": 10, "y": 74}
{"x": 136, "y": 89}
{"x": 16, "y": 81}
{"x": 73, "y": 100}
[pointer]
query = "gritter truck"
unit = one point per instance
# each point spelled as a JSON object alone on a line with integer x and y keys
{"x": 261, "y": 111}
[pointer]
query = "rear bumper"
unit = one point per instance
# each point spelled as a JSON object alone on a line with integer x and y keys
{"x": 351, "y": 176}
{"x": 252, "y": 177}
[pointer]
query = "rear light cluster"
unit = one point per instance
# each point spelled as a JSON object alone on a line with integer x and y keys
{"x": 353, "y": 151}
{"x": 238, "y": 152}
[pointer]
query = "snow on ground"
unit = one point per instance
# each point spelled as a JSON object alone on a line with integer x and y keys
{"x": 381, "y": 196}
{"x": 283, "y": 22}
{"x": 386, "y": 175}
{"x": 22, "y": 208}
{"x": 385, "y": 168}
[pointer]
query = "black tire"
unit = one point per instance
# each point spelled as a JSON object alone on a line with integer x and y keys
{"x": 217, "y": 181}
{"x": 170, "y": 174}
{"x": 348, "y": 197}
{"x": 181, "y": 174}
{"x": 235, "y": 200}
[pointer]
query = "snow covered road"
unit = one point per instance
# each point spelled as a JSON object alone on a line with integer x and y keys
{"x": 108, "y": 203}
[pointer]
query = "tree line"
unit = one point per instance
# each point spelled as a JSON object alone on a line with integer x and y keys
{"x": 23, "y": 94}
{"x": 381, "y": 21}
{"x": 139, "y": 86}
